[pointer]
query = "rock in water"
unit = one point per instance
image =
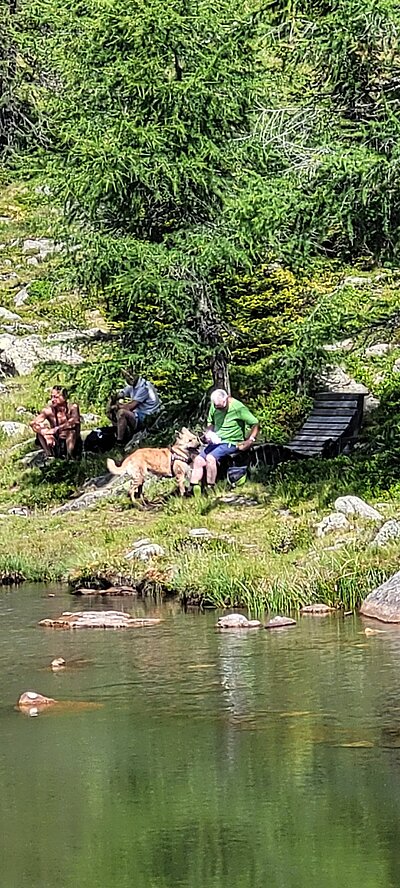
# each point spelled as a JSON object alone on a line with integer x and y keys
{"x": 279, "y": 622}
{"x": 58, "y": 663}
{"x": 384, "y": 602}
{"x": 237, "y": 621}
{"x": 353, "y": 505}
{"x": 31, "y": 699}
{"x": 318, "y": 609}
{"x": 98, "y": 620}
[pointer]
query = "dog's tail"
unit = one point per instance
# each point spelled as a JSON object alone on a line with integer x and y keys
{"x": 114, "y": 469}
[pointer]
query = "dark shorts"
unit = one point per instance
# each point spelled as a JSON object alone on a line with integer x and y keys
{"x": 218, "y": 450}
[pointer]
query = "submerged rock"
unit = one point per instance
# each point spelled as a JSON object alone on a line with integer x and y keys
{"x": 237, "y": 621}
{"x": 98, "y": 620}
{"x": 279, "y": 622}
{"x": 353, "y": 505}
{"x": 384, "y": 602}
{"x": 319, "y": 609}
{"x": 111, "y": 590}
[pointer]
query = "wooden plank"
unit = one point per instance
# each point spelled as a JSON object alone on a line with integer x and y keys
{"x": 336, "y": 405}
{"x": 326, "y": 423}
{"x": 338, "y": 411}
{"x": 339, "y": 396}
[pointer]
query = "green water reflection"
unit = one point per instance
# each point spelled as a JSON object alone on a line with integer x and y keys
{"x": 215, "y": 760}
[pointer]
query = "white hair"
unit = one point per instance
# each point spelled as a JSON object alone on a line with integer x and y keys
{"x": 219, "y": 396}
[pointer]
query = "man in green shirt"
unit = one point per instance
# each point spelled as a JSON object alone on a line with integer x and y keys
{"x": 227, "y": 423}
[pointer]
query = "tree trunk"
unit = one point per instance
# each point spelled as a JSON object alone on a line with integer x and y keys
{"x": 220, "y": 372}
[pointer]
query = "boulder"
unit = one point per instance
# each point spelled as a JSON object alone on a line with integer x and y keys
{"x": 335, "y": 379}
{"x": 42, "y": 246}
{"x": 279, "y": 622}
{"x": 384, "y": 602}
{"x": 98, "y": 620}
{"x": 396, "y": 366}
{"x": 389, "y": 531}
{"x": 332, "y": 523}
{"x": 21, "y": 297}
{"x": 34, "y": 459}
{"x": 345, "y": 345}
{"x": 237, "y": 621}
{"x": 378, "y": 350}
{"x": 22, "y": 353}
{"x": 11, "y": 428}
{"x": 7, "y": 315}
{"x": 114, "y": 487}
{"x": 145, "y": 549}
{"x": 94, "y": 334}
{"x": 353, "y": 505}
{"x": 316, "y": 609}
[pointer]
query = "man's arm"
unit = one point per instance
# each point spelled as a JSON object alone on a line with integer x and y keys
{"x": 37, "y": 423}
{"x": 249, "y": 441}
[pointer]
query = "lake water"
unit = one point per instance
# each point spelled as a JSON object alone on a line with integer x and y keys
{"x": 215, "y": 760}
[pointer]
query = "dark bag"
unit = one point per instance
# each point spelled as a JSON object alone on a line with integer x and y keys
{"x": 236, "y": 475}
{"x": 100, "y": 440}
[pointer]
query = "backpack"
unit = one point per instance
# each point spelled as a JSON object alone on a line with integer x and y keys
{"x": 236, "y": 475}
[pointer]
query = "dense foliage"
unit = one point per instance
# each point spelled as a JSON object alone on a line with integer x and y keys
{"x": 207, "y": 156}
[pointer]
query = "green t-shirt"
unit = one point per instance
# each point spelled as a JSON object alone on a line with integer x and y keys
{"x": 231, "y": 424}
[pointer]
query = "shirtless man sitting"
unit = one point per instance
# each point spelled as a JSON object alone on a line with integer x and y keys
{"x": 58, "y": 426}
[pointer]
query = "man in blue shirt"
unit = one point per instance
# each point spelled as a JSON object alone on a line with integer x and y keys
{"x": 130, "y": 406}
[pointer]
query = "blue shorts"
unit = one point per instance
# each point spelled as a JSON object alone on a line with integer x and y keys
{"x": 218, "y": 450}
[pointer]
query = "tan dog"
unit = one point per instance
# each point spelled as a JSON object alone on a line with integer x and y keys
{"x": 169, "y": 462}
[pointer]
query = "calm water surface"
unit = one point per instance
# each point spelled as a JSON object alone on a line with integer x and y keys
{"x": 214, "y": 760}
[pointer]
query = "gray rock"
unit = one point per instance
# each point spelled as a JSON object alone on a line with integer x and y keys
{"x": 145, "y": 549}
{"x": 332, "y": 523}
{"x": 42, "y": 246}
{"x": 335, "y": 379}
{"x": 22, "y": 353}
{"x": 378, "y": 350}
{"x": 12, "y": 428}
{"x": 396, "y": 366}
{"x": 345, "y": 345}
{"x": 237, "y": 621}
{"x": 115, "y": 487}
{"x": 317, "y": 609}
{"x": 384, "y": 602}
{"x": 89, "y": 417}
{"x": 19, "y": 511}
{"x": 7, "y": 315}
{"x": 354, "y": 281}
{"x": 35, "y": 459}
{"x": 353, "y": 505}
{"x": 21, "y": 297}
{"x": 279, "y": 622}
{"x": 389, "y": 531}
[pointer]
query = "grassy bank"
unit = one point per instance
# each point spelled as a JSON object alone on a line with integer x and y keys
{"x": 263, "y": 553}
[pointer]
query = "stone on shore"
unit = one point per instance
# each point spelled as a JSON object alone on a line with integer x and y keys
{"x": 384, "y": 602}
{"x": 332, "y": 523}
{"x": 389, "y": 531}
{"x": 145, "y": 549}
{"x": 279, "y": 622}
{"x": 11, "y": 428}
{"x": 98, "y": 620}
{"x": 353, "y": 505}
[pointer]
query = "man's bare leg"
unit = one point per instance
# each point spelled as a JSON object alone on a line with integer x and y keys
{"x": 211, "y": 469}
{"x": 71, "y": 440}
{"x": 198, "y": 470}
{"x": 126, "y": 419}
{"x": 46, "y": 442}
